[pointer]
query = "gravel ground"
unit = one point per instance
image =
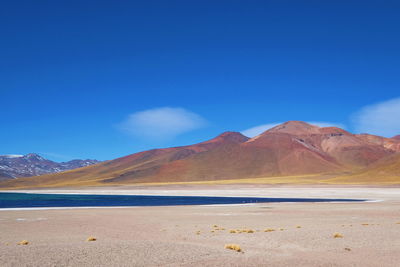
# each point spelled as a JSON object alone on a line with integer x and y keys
{"x": 196, "y": 235}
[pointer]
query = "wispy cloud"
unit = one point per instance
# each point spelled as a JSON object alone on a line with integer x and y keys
{"x": 382, "y": 118}
{"x": 161, "y": 123}
{"x": 254, "y": 131}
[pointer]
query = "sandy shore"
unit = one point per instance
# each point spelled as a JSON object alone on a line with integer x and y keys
{"x": 186, "y": 236}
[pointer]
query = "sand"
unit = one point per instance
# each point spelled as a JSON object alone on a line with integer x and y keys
{"x": 186, "y": 235}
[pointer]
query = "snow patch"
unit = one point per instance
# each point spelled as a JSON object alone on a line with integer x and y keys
{"x": 12, "y": 156}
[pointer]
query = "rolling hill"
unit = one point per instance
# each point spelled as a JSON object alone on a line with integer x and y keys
{"x": 290, "y": 149}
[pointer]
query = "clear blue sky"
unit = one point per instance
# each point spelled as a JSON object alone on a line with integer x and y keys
{"x": 72, "y": 72}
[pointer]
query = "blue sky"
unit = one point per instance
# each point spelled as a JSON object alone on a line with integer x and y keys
{"x": 102, "y": 79}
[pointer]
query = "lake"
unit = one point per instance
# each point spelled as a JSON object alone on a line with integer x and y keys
{"x": 24, "y": 200}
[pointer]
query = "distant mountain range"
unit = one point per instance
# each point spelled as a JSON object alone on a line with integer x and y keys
{"x": 293, "y": 148}
{"x": 13, "y": 166}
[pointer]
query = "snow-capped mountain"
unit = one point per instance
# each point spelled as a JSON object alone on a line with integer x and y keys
{"x": 14, "y": 166}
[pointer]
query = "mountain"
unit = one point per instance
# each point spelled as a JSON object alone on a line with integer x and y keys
{"x": 13, "y": 166}
{"x": 397, "y": 137}
{"x": 345, "y": 149}
{"x": 292, "y": 148}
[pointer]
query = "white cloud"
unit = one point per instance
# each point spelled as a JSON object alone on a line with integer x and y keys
{"x": 254, "y": 131}
{"x": 161, "y": 123}
{"x": 381, "y": 118}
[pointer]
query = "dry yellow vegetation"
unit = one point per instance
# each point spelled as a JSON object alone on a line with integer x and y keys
{"x": 233, "y": 247}
{"x": 53, "y": 181}
{"x": 86, "y": 180}
{"x": 91, "y": 238}
{"x": 337, "y": 235}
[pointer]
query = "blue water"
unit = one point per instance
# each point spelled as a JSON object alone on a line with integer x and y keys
{"x": 22, "y": 200}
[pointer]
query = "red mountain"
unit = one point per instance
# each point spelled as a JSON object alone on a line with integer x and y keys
{"x": 345, "y": 149}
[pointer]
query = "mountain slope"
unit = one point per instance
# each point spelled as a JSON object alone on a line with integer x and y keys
{"x": 389, "y": 143}
{"x": 13, "y": 166}
{"x": 386, "y": 170}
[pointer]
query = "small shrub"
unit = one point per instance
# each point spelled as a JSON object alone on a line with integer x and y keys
{"x": 91, "y": 238}
{"x": 23, "y": 242}
{"x": 298, "y": 226}
{"x": 232, "y": 231}
{"x": 347, "y": 249}
{"x": 337, "y": 235}
{"x": 269, "y": 230}
{"x": 233, "y": 247}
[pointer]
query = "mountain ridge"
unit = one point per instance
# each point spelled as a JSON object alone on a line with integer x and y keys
{"x": 15, "y": 166}
{"x": 290, "y": 149}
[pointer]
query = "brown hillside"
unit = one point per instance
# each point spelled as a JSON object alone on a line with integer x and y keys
{"x": 386, "y": 170}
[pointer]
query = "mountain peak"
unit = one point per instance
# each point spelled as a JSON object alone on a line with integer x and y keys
{"x": 235, "y": 137}
{"x": 231, "y": 135}
{"x": 33, "y": 156}
{"x": 295, "y": 127}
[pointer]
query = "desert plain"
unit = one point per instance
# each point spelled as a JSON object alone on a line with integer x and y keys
{"x": 269, "y": 234}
